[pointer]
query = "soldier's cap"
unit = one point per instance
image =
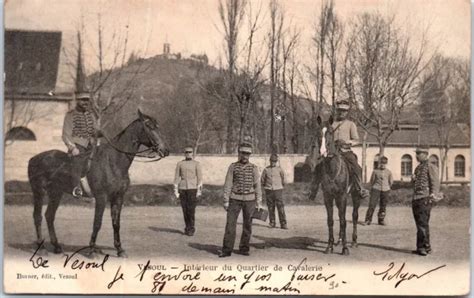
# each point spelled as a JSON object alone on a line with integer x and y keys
{"x": 274, "y": 157}
{"x": 384, "y": 160}
{"x": 343, "y": 105}
{"x": 422, "y": 149}
{"x": 83, "y": 96}
{"x": 188, "y": 149}
{"x": 246, "y": 148}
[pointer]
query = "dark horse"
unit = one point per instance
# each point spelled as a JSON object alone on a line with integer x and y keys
{"x": 108, "y": 177}
{"x": 332, "y": 173}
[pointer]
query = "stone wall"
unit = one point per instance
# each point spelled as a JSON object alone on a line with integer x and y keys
{"x": 214, "y": 167}
{"x": 48, "y": 131}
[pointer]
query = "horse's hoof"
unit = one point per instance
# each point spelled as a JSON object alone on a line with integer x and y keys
{"x": 95, "y": 250}
{"x": 345, "y": 251}
{"x": 329, "y": 250}
{"x": 355, "y": 244}
{"x": 122, "y": 254}
{"x": 58, "y": 249}
{"x": 41, "y": 251}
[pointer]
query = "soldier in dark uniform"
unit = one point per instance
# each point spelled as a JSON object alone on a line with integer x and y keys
{"x": 242, "y": 191}
{"x": 187, "y": 187}
{"x": 79, "y": 135}
{"x": 426, "y": 191}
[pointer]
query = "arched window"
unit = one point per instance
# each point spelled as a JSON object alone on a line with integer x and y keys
{"x": 459, "y": 166}
{"x": 376, "y": 161}
{"x": 20, "y": 134}
{"x": 407, "y": 165}
{"x": 434, "y": 160}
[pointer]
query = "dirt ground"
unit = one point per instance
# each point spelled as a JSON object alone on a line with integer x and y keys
{"x": 157, "y": 232}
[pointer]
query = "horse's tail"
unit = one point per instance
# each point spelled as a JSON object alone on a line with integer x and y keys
{"x": 38, "y": 182}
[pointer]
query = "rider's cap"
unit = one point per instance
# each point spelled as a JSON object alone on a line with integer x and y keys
{"x": 188, "y": 149}
{"x": 422, "y": 149}
{"x": 83, "y": 96}
{"x": 343, "y": 105}
{"x": 245, "y": 147}
{"x": 273, "y": 157}
{"x": 384, "y": 160}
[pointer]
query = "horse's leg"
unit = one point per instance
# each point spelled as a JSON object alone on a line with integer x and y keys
{"x": 115, "y": 210}
{"x": 341, "y": 202}
{"x": 39, "y": 192}
{"x": 100, "y": 201}
{"x": 53, "y": 204}
{"x": 328, "y": 202}
{"x": 355, "y": 216}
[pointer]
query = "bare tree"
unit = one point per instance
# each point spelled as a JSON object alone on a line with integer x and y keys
{"x": 320, "y": 39}
{"x": 289, "y": 43}
{"x": 274, "y": 42}
{"x": 231, "y": 13}
{"x": 381, "y": 72}
{"x": 113, "y": 65}
{"x": 332, "y": 46}
{"x": 444, "y": 89}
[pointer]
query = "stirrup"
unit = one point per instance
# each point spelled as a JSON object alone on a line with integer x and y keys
{"x": 77, "y": 192}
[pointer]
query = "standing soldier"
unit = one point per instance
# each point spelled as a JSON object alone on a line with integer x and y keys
{"x": 273, "y": 181}
{"x": 242, "y": 190}
{"x": 345, "y": 135}
{"x": 79, "y": 135}
{"x": 426, "y": 190}
{"x": 381, "y": 182}
{"x": 187, "y": 187}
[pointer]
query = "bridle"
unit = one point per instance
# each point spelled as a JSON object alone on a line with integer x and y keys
{"x": 155, "y": 147}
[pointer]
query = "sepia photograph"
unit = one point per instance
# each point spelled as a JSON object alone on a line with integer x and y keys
{"x": 237, "y": 147}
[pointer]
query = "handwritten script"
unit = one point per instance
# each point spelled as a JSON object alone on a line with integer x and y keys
{"x": 401, "y": 274}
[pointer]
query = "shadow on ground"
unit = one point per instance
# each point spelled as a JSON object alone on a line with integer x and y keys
{"x": 209, "y": 248}
{"x": 388, "y": 248}
{"x": 305, "y": 243}
{"x": 67, "y": 248}
{"x": 166, "y": 230}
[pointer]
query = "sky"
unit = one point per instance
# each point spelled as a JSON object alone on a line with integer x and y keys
{"x": 192, "y": 26}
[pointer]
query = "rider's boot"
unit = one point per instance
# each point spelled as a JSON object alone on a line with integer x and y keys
{"x": 364, "y": 193}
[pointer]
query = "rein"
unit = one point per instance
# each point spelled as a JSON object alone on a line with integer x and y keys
{"x": 137, "y": 153}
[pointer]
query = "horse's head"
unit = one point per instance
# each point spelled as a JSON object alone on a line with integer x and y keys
{"x": 150, "y": 135}
{"x": 325, "y": 136}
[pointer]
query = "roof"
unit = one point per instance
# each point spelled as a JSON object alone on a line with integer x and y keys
{"x": 412, "y": 135}
{"x": 39, "y": 63}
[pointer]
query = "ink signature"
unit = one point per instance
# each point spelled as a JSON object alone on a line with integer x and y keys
{"x": 402, "y": 274}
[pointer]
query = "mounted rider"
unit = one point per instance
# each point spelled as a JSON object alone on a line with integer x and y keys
{"x": 346, "y": 136}
{"x": 79, "y": 134}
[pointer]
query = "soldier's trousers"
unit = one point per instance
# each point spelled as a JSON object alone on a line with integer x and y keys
{"x": 275, "y": 197}
{"x": 377, "y": 196}
{"x": 421, "y": 212}
{"x": 188, "y": 204}
{"x": 233, "y": 212}
{"x": 355, "y": 170}
{"x": 78, "y": 165}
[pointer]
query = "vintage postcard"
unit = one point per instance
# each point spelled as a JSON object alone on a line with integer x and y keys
{"x": 237, "y": 147}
